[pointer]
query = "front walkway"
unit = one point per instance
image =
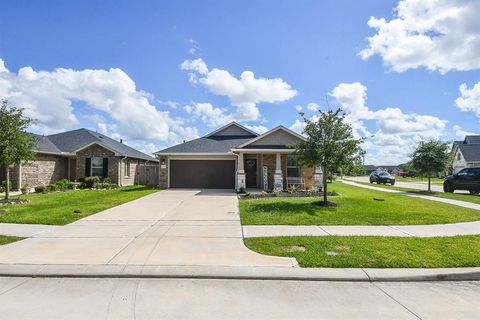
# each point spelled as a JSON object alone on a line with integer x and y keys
{"x": 168, "y": 228}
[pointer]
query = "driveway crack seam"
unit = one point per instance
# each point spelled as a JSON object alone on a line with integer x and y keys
{"x": 401, "y": 304}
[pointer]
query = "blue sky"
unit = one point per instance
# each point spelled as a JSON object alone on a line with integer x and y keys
{"x": 122, "y": 67}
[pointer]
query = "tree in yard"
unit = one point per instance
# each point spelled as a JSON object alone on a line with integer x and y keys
{"x": 16, "y": 145}
{"x": 431, "y": 157}
{"x": 329, "y": 144}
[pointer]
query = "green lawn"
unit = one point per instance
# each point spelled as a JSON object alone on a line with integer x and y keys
{"x": 373, "y": 252}
{"x": 57, "y": 208}
{"x": 8, "y": 239}
{"x": 454, "y": 196}
{"x": 419, "y": 179}
{"x": 355, "y": 207}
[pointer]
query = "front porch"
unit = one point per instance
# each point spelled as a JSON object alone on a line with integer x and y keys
{"x": 274, "y": 170}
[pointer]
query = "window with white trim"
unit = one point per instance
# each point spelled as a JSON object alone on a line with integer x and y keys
{"x": 126, "y": 168}
{"x": 97, "y": 167}
{"x": 293, "y": 169}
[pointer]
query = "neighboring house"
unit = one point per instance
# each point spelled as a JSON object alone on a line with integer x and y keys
{"x": 235, "y": 157}
{"x": 389, "y": 168}
{"x": 466, "y": 153}
{"x": 83, "y": 153}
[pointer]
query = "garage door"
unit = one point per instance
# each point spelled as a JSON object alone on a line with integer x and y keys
{"x": 214, "y": 174}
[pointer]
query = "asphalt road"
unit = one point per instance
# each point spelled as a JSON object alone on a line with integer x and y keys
{"x": 70, "y": 298}
{"x": 412, "y": 185}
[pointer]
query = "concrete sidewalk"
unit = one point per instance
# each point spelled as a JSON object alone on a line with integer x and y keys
{"x": 459, "y": 203}
{"x": 24, "y": 230}
{"x": 434, "y": 230}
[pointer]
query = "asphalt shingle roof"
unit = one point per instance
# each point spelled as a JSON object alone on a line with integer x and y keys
{"x": 472, "y": 139}
{"x": 471, "y": 152}
{"x": 71, "y": 141}
{"x": 212, "y": 144}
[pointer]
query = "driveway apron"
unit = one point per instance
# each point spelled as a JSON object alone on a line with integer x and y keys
{"x": 172, "y": 227}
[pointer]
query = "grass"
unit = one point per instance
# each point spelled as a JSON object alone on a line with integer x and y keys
{"x": 8, "y": 239}
{"x": 453, "y": 196}
{"x": 373, "y": 251}
{"x": 419, "y": 179}
{"x": 355, "y": 207}
{"x": 57, "y": 208}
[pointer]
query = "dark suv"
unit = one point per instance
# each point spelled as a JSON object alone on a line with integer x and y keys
{"x": 466, "y": 179}
{"x": 382, "y": 177}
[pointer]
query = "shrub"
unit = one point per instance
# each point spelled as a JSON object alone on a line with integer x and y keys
{"x": 63, "y": 184}
{"x": 51, "y": 188}
{"x": 3, "y": 186}
{"x": 107, "y": 180}
{"x": 40, "y": 189}
{"x": 241, "y": 190}
{"x": 91, "y": 182}
{"x": 25, "y": 189}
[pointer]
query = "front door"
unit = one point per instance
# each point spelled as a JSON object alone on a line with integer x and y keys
{"x": 251, "y": 172}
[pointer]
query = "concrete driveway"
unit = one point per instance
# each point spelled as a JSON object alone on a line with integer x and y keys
{"x": 172, "y": 227}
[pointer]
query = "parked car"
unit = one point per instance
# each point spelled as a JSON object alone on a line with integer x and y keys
{"x": 382, "y": 177}
{"x": 467, "y": 179}
{"x": 407, "y": 174}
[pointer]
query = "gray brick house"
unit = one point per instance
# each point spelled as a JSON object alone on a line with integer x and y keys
{"x": 82, "y": 153}
{"x": 235, "y": 157}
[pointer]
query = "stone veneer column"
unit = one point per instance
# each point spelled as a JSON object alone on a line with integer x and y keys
{"x": 240, "y": 173}
{"x": 318, "y": 178}
{"x": 277, "y": 177}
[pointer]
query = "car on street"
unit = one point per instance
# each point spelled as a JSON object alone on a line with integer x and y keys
{"x": 467, "y": 179}
{"x": 382, "y": 177}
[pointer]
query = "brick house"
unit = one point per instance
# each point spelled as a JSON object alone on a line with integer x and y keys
{"x": 81, "y": 153}
{"x": 235, "y": 157}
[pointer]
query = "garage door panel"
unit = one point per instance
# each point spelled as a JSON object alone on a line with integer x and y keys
{"x": 215, "y": 174}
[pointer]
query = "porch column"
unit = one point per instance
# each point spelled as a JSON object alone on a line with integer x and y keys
{"x": 240, "y": 173}
{"x": 317, "y": 178}
{"x": 277, "y": 177}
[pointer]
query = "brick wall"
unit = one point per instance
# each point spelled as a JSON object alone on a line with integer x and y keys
{"x": 45, "y": 170}
{"x": 269, "y": 160}
{"x": 98, "y": 151}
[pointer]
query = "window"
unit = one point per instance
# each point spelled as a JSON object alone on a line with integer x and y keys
{"x": 293, "y": 170}
{"x": 459, "y": 156}
{"x": 126, "y": 168}
{"x": 97, "y": 167}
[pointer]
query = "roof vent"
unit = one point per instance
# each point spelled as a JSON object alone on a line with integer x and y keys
{"x": 121, "y": 140}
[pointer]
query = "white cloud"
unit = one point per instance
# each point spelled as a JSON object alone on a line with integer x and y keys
{"x": 258, "y": 129}
{"x": 244, "y": 93}
{"x": 49, "y": 97}
{"x": 312, "y": 106}
{"x": 193, "y": 46}
{"x": 469, "y": 99}
{"x": 298, "y": 108}
{"x": 459, "y": 132}
{"x": 440, "y": 35}
{"x": 208, "y": 114}
{"x": 3, "y": 68}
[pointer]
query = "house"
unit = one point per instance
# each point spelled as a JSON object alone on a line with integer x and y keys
{"x": 235, "y": 157}
{"x": 466, "y": 153}
{"x": 83, "y": 153}
{"x": 389, "y": 168}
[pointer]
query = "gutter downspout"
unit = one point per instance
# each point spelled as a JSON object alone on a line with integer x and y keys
{"x": 121, "y": 175}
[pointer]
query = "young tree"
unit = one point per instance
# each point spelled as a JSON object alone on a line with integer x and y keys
{"x": 330, "y": 144}
{"x": 431, "y": 157}
{"x": 16, "y": 145}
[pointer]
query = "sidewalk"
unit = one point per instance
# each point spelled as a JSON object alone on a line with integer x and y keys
{"x": 459, "y": 203}
{"x": 434, "y": 230}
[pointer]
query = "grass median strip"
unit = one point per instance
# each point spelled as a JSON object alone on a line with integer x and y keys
{"x": 373, "y": 251}
{"x": 356, "y": 206}
{"x": 57, "y": 208}
{"x": 8, "y": 239}
{"x": 445, "y": 195}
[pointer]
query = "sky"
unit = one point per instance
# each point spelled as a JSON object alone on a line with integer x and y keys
{"x": 155, "y": 73}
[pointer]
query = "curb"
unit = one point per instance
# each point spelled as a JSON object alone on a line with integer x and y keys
{"x": 239, "y": 273}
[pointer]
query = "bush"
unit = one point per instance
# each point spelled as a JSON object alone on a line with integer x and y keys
{"x": 63, "y": 184}
{"x": 107, "y": 180}
{"x": 40, "y": 189}
{"x": 25, "y": 189}
{"x": 51, "y": 188}
{"x": 3, "y": 186}
{"x": 91, "y": 182}
{"x": 241, "y": 190}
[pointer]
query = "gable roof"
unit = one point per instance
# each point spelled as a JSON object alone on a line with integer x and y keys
{"x": 470, "y": 152}
{"x": 72, "y": 141}
{"x": 472, "y": 139}
{"x": 208, "y": 144}
{"x": 244, "y": 131}
{"x": 269, "y": 133}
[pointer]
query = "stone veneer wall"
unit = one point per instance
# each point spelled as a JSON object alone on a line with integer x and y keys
{"x": 269, "y": 160}
{"x": 98, "y": 151}
{"x": 163, "y": 173}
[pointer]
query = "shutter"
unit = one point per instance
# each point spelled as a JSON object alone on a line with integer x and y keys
{"x": 88, "y": 167}
{"x": 105, "y": 167}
